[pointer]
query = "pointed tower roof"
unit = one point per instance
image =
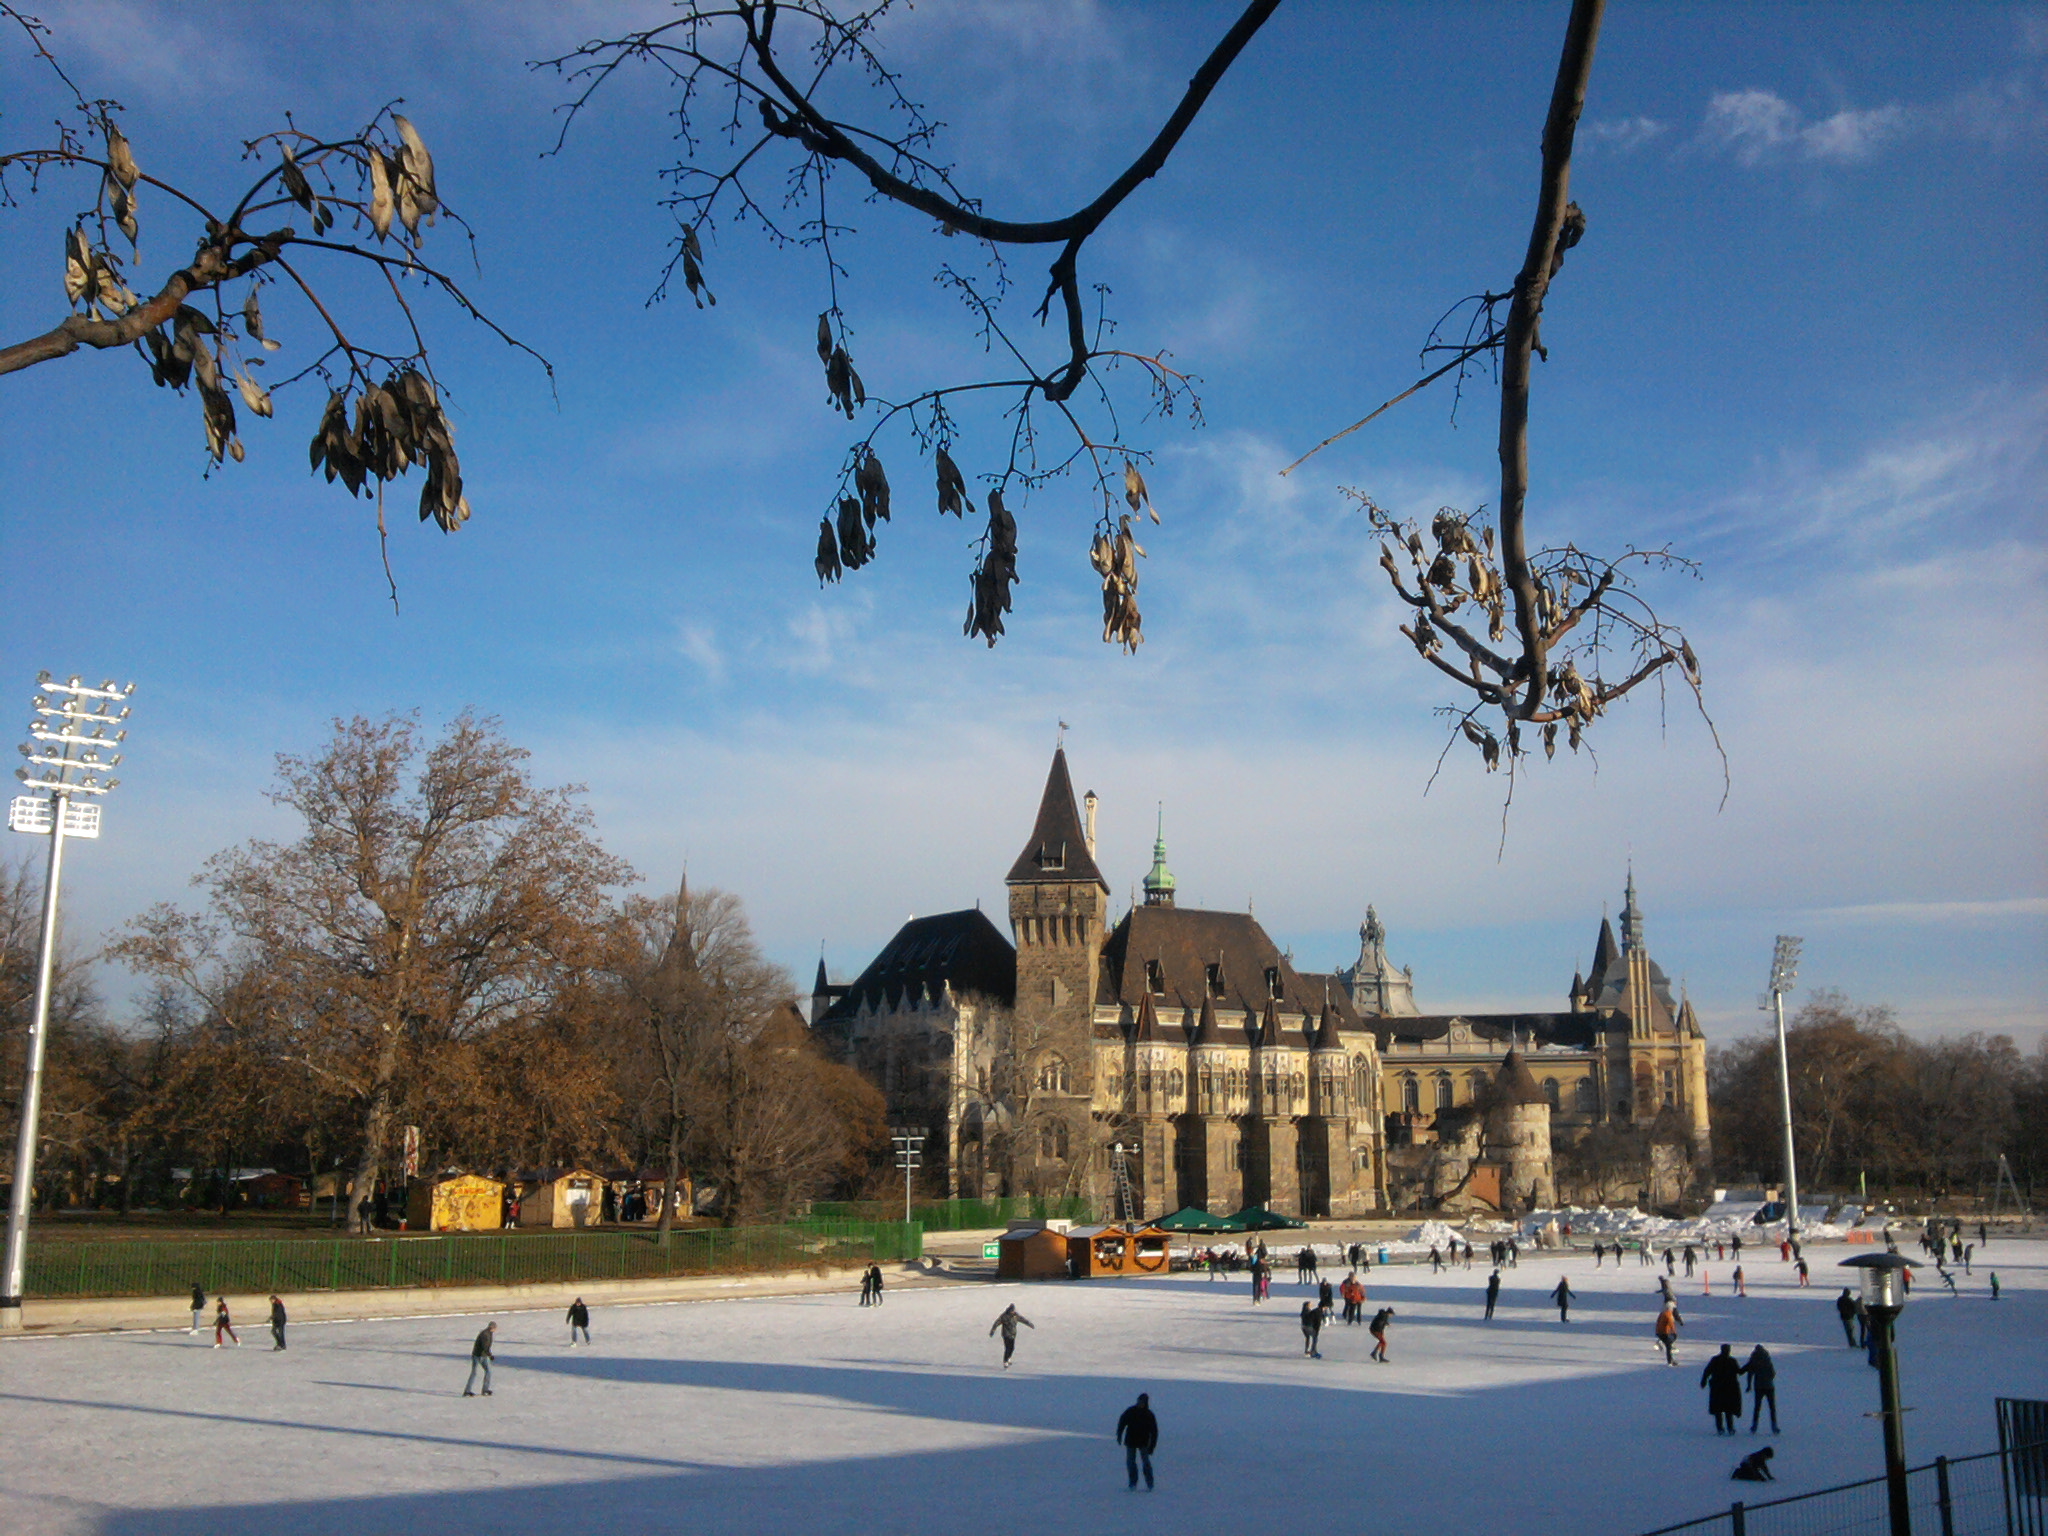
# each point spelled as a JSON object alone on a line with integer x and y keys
{"x": 1517, "y": 1083}
{"x": 823, "y": 984}
{"x": 1058, "y": 851}
{"x": 1631, "y": 915}
{"x": 1146, "y": 1031}
{"x": 1159, "y": 880}
{"x": 1327, "y": 1036}
{"x": 1269, "y": 1024}
{"x": 1206, "y": 1030}
{"x": 1604, "y": 952}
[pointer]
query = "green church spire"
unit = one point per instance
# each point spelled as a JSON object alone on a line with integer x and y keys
{"x": 1159, "y": 882}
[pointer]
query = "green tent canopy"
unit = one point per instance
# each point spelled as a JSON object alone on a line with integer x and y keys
{"x": 1256, "y": 1218}
{"x": 1192, "y": 1218}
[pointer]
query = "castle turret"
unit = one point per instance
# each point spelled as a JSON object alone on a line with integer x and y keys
{"x": 1058, "y": 899}
{"x": 1518, "y": 1137}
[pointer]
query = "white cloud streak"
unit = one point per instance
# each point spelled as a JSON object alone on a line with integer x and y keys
{"x": 1760, "y": 127}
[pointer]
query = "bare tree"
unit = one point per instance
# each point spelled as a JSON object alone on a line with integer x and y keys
{"x": 435, "y": 895}
{"x": 758, "y": 78}
{"x": 200, "y": 323}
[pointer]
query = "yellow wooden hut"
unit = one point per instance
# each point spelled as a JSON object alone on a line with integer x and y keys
{"x": 460, "y": 1202}
{"x": 570, "y": 1199}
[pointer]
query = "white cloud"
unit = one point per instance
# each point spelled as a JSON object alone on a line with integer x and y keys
{"x": 1886, "y": 912}
{"x": 1759, "y": 127}
{"x": 1626, "y": 135}
{"x": 699, "y": 643}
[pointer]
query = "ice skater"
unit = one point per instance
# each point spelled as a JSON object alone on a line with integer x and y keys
{"x": 1492, "y": 1293}
{"x": 1845, "y": 1309}
{"x": 1563, "y": 1297}
{"x": 1378, "y": 1329}
{"x": 1311, "y": 1330}
{"x": 1008, "y": 1323}
{"x": 1436, "y": 1261}
{"x": 1138, "y": 1433}
{"x": 1326, "y": 1299}
{"x": 221, "y": 1324}
{"x": 1762, "y": 1372}
{"x": 198, "y": 1304}
{"x": 1354, "y": 1299}
{"x": 1994, "y": 1285}
{"x": 1668, "y": 1322}
{"x": 1738, "y": 1282}
{"x": 480, "y": 1360}
{"x": 1754, "y": 1468}
{"x": 1805, "y": 1275}
{"x": 578, "y": 1318}
{"x": 1723, "y": 1380}
{"x": 277, "y": 1321}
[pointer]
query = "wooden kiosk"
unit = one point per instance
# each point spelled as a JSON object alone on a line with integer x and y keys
{"x": 1118, "y": 1251}
{"x": 461, "y": 1202}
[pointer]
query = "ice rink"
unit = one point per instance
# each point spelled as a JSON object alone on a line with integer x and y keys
{"x": 812, "y": 1414}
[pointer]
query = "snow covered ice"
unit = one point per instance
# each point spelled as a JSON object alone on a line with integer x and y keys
{"x": 810, "y": 1413}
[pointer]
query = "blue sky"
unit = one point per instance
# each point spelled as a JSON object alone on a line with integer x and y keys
{"x": 1802, "y": 342}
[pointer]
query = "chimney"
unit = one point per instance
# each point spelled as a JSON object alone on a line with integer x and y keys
{"x": 1090, "y": 802}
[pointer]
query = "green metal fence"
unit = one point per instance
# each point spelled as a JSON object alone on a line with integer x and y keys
{"x": 135, "y": 1267}
{"x": 962, "y": 1215}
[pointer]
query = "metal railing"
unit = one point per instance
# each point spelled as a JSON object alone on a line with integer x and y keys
{"x": 1997, "y": 1493}
{"x": 164, "y": 1268}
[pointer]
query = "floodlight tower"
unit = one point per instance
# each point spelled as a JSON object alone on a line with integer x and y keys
{"x": 1784, "y": 968}
{"x": 66, "y": 738}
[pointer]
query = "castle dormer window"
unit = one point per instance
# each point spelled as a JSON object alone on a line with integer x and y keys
{"x": 1052, "y": 857}
{"x": 1215, "y": 973}
{"x": 1155, "y": 978}
{"x": 1273, "y": 981}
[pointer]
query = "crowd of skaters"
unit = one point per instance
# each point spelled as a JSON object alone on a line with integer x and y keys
{"x": 1724, "y": 1378}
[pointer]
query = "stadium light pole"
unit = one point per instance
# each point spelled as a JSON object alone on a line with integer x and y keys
{"x": 66, "y": 737}
{"x": 1784, "y": 968}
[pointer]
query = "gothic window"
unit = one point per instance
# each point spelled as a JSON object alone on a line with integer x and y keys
{"x": 1411, "y": 1094}
{"x": 1297, "y": 1090}
{"x": 1145, "y": 1082}
{"x": 1272, "y": 1088}
{"x": 1445, "y": 1092}
{"x": 1173, "y": 1087}
{"x": 1670, "y": 1088}
{"x": 1550, "y": 1091}
{"x": 1361, "y": 1081}
{"x": 1052, "y": 1075}
{"x": 1052, "y": 1141}
{"x": 1585, "y": 1099}
{"x": 1215, "y": 974}
{"x": 1115, "y": 1085}
{"x": 1155, "y": 978}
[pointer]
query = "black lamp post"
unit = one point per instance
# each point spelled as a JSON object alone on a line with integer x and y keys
{"x": 1884, "y": 1297}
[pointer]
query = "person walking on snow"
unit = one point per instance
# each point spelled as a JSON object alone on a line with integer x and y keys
{"x": 1378, "y": 1329}
{"x": 1138, "y": 1433}
{"x": 1738, "y": 1282}
{"x": 1667, "y": 1332}
{"x": 1691, "y": 1259}
{"x": 1436, "y": 1261}
{"x": 1326, "y": 1300}
{"x": 1994, "y": 1285}
{"x": 480, "y": 1360}
{"x": 1563, "y": 1297}
{"x": 1805, "y": 1275}
{"x": 1492, "y": 1293}
{"x": 578, "y": 1319}
{"x": 1008, "y": 1323}
{"x": 198, "y": 1304}
{"x": 277, "y": 1322}
{"x": 1723, "y": 1380}
{"x": 1762, "y": 1372}
{"x": 1311, "y": 1330}
{"x": 221, "y": 1325}
{"x": 1845, "y": 1309}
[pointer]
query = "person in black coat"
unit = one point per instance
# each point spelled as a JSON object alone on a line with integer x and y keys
{"x": 1563, "y": 1297}
{"x": 1492, "y": 1292}
{"x": 1762, "y": 1372}
{"x": 277, "y": 1322}
{"x": 1008, "y": 1322}
{"x": 1311, "y": 1329}
{"x": 1723, "y": 1380}
{"x": 198, "y": 1304}
{"x": 1754, "y": 1468}
{"x": 1138, "y": 1433}
{"x": 1845, "y": 1309}
{"x": 579, "y": 1320}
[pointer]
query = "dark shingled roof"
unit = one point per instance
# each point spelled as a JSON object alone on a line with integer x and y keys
{"x": 1058, "y": 851}
{"x": 1186, "y": 941}
{"x": 961, "y": 949}
{"x": 1517, "y": 1083}
{"x": 1573, "y": 1031}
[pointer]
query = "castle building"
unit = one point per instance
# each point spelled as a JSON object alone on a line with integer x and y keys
{"x": 1182, "y": 1049}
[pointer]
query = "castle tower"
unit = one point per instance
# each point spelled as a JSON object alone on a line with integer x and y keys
{"x": 1211, "y": 1178}
{"x": 1058, "y": 902}
{"x": 1518, "y": 1137}
{"x": 1153, "y": 1069}
{"x": 1272, "y": 1174}
{"x": 1329, "y": 1174}
{"x": 1159, "y": 879}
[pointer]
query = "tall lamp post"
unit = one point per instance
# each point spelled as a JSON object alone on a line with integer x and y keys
{"x": 66, "y": 738}
{"x": 1884, "y": 1297}
{"x": 1784, "y": 968}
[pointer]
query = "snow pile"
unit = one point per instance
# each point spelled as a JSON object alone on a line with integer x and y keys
{"x": 1719, "y": 1223}
{"x": 1434, "y": 1234}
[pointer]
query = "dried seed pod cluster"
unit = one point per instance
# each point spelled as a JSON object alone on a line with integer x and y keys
{"x": 1115, "y": 557}
{"x": 994, "y": 573}
{"x": 398, "y": 424}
